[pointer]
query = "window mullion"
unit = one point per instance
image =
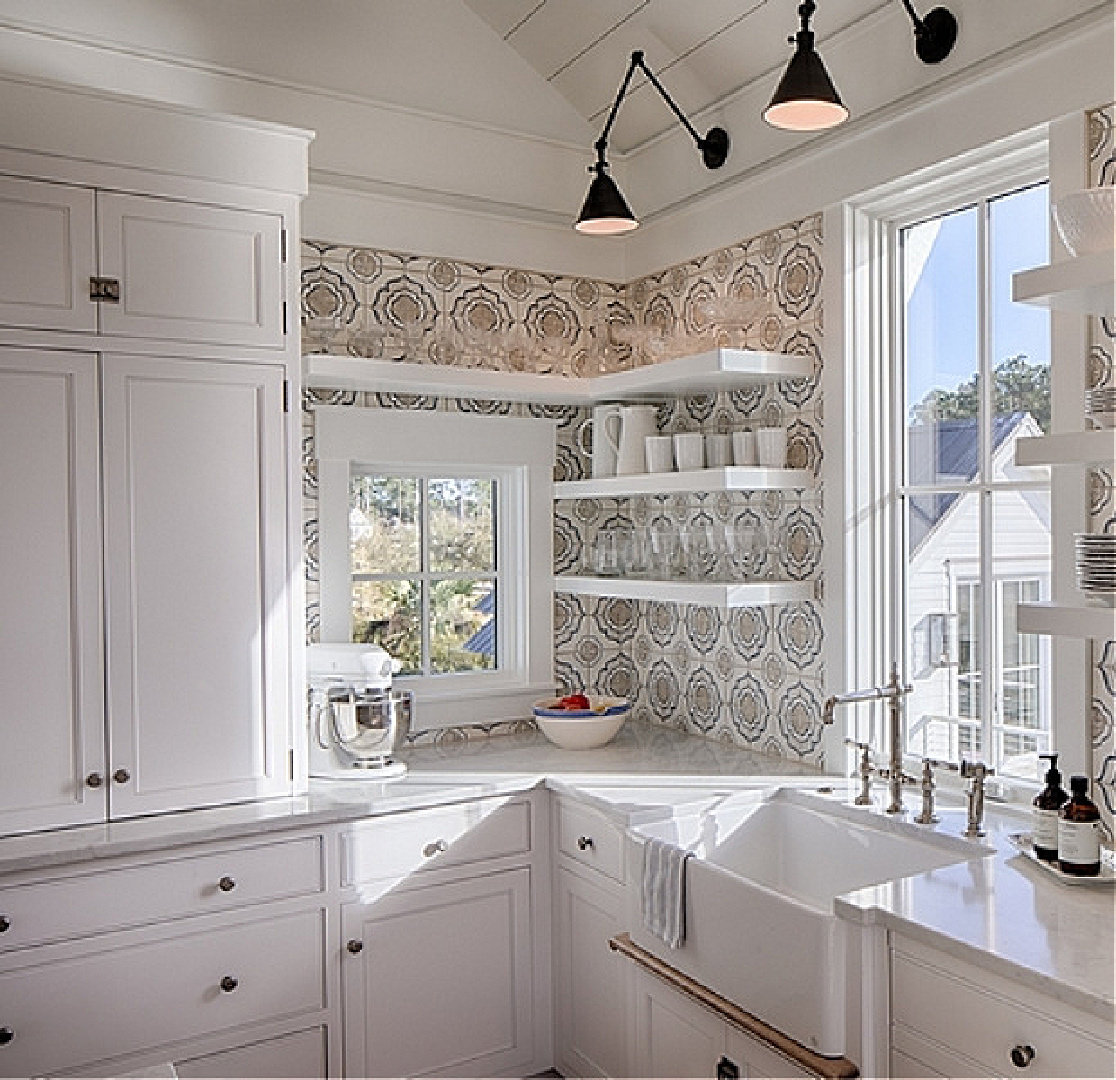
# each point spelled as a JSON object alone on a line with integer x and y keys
{"x": 988, "y": 599}
{"x": 424, "y": 573}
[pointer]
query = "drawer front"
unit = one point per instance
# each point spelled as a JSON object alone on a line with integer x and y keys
{"x": 89, "y": 902}
{"x": 590, "y": 839}
{"x": 986, "y": 1026}
{"x": 443, "y": 837}
{"x": 299, "y": 1055}
{"x": 115, "y": 996}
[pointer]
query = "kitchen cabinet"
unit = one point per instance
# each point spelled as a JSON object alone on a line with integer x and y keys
{"x": 444, "y": 961}
{"x": 590, "y": 1015}
{"x": 298, "y": 1055}
{"x": 951, "y": 1018}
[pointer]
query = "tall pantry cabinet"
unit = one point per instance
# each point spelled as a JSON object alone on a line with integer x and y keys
{"x": 149, "y": 370}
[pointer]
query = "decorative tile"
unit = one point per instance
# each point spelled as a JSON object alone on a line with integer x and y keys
{"x": 749, "y": 709}
{"x": 800, "y": 719}
{"x": 703, "y": 700}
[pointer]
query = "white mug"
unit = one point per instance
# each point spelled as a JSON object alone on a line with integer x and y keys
{"x": 636, "y": 423}
{"x": 771, "y": 446}
{"x": 605, "y": 429}
{"x": 718, "y": 451}
{"x": 689, "y": 450}
{"x": 744, "y": 448}
{"x": 659, "y": 452}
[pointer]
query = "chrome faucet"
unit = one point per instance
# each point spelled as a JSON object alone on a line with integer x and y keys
{"x": 976, "y": 772}
{"x": 893, "y": 693}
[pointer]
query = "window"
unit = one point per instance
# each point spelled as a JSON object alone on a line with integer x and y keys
{"x": 435, "y": 542}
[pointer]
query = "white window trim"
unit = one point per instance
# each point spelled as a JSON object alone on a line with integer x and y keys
{"x": 521, "y": 452}
{"x": 860, "y": 397}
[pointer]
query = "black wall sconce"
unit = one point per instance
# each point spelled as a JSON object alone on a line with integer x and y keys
{"x": 605, "y": 212}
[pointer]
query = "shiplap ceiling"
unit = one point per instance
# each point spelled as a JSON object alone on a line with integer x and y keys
{"x": 702, "y": 50}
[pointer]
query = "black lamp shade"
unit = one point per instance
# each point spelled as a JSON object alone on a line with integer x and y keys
{"x": 605, "y": 212}
{"x": 805, "y": 99}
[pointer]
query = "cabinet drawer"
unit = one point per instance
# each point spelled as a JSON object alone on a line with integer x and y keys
{"x": 89, "y": 902}
{"x": 443, "y": 837}
{"x": 123, "y": 993}
{"x": 299, "y": 1055}
{"x": 967, "y": 1013}
{"x": 590, "y": 839}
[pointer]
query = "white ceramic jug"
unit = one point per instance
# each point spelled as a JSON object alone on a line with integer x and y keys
{"x": 636, "y": 423}
{"x": 605, "y": 429}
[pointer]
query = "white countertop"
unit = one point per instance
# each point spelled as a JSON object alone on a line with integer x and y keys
{"x": 999, "y": 911}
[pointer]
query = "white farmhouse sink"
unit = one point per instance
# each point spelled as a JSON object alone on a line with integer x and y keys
{"x": 759, "y": 906}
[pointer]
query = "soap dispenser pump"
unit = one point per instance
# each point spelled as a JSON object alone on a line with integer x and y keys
{"x": 1079, "y": 832}
{"x": 1048, "y": 804}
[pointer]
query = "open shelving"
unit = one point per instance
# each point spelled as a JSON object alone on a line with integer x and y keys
{"x": 730, "y": 478}
{"x": 1068, "y": 620}
{"x": 1068, "y": 448}
{"x": 725, "y": 594}
{"x": 1084, "y": 284}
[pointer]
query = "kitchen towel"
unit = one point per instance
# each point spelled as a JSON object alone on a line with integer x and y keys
{"x": 663, "y": 896}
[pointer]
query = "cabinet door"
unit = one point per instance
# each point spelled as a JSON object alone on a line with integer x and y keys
{"x": 757, "y": 1061}
{"x": 589, "y": 979}
{"x": 196, "y": 584}
{"x": 443, "y": 982}
{"x": 191, "y": 273}
{"x": 674, "y": 1036}
{"x": 51, "y": 681}
{"x": 49, "y": 255}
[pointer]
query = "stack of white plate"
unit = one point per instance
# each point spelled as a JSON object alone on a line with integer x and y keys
{"x": 1096, "y": 566}
{"x": 1100, "y": 404}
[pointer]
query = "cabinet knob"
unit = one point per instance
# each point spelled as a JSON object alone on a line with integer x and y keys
{"x": 354, "y": 945}
{"x": 435, "y": 847}
{"x": 1022, "y": 1056}
{"x": 584, "y": 843}
{"x": 226, "y": 884}
{"x": 5, "y": 924}
{"x": 229, "y": 984}
{"x": 122, "y": 776}
{"x": 6, "y": 1035}
{"x": 94, "y": 780}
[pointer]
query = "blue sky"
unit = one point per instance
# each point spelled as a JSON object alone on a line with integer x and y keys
{"x": 942, "y": 327}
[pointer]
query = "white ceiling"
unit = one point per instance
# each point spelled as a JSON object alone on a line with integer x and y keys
{"x": 703, "y": 52}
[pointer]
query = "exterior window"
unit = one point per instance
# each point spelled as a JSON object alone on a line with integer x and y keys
{"x": 424, "y": 571}
{"x": 975, "y": 379}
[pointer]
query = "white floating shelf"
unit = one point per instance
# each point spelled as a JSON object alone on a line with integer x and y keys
{"x": 726, "y": 594}
{"x": 732, "y": 478}
{"x": 720, "y": 369}
{"x": 1070, "y": 448}
{"x": 1068, "y": 620}
{"x": 1086, "y": 284}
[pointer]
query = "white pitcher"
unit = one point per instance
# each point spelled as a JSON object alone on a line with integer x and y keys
{"x": 605, "y": 428}
{"x": 636, "y": 423}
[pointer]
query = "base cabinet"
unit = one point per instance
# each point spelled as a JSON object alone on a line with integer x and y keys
{"x": 300, "y": 1054}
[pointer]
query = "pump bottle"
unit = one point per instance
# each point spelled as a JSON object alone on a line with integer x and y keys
{"x": 1079, "y": 832}
{"x": 1048, "y": 803}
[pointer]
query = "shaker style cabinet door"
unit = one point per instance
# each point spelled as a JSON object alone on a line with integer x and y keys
{"x": 196, "y": 585}
{"x": 51, "y": 694}
{"x": 49, "y": 255}
{"x": 190, "y": 272}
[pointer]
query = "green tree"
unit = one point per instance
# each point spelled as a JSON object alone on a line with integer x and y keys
{"x": 1017, "y": 387}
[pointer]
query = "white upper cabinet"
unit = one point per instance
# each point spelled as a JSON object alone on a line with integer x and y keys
{"x": 190, "y": 272}
{"x": 49, "y": 255}
{"x": 51, "y": 692}
{"x": 197, "y": 611}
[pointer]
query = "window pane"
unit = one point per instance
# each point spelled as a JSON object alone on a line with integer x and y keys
{"x": 941, "y": 328}
{"x": 944, "y": 625}
{"x": 1021, "y": 567}
{"x": 463, "y": 625}
{"x": 384, "y": 517}
{"x": 461, "y": 525}
{"x": 389, "y": 614}
{"x": 1019, "y": 238}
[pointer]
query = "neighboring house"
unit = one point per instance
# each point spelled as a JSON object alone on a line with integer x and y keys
{"x": 944, "y": 538}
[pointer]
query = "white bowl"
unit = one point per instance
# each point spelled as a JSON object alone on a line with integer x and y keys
{"x": 1086, "y": 220}
{"x": 581, "y": 732}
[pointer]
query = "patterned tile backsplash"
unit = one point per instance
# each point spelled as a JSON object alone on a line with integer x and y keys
{"x": 751, "y": 676}
{"x": 1101, "y": 372}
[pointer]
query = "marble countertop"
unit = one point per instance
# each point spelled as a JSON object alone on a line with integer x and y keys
{"x": 998, "y": 911}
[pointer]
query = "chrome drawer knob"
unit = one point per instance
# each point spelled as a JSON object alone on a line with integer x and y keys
{"x": 5, "y": 924}
{"x": 1022, "y": 1056}
{"x": 584, "y": 843}
{"x": 229, "y": 984}
{"x": 354, "y": 945}
{"x": 94, "y": 780}
{"x": 6, "y": 1035}
{"x": 226, "y": 884}
{"x": 122, "y": 776}
{"x": 435, "y": 847}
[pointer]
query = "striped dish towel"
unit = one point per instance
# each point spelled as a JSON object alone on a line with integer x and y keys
{"x": 663, "y": 896}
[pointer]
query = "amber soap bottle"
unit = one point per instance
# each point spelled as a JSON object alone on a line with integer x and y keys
{"x": 1079, "y": 832}
{"x": 1048, "y": 804}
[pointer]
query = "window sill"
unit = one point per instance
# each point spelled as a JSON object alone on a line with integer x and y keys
{"x": 461, "y": 706}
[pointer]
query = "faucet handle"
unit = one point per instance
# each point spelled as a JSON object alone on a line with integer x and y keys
{"x": 859, "y": 745}
{"x": 934, "y": 763}
{"x": 976, "y": 770}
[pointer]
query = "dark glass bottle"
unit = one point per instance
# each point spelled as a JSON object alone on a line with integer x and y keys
{"x": 1048, "y": 804}
{"x": 1079, "y": 832}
